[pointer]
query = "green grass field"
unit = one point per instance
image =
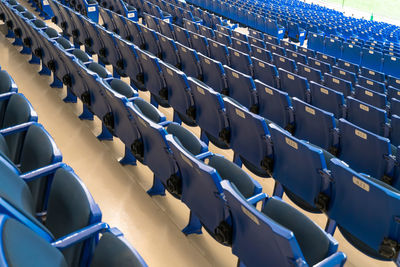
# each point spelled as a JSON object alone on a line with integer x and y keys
{"x": 384, "y": 8}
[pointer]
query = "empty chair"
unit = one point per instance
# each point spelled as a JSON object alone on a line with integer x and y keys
{"x": 345, "y": 75}
{"x": 271, "y": 39}
{"x": 333, "y": 47}
{"x": 223, "y": 38}
{"x": 182, "y": 36}
{"x": 294, "y": 85}
{"x": 261, "y": 54}
{"x": 210, "y": 114}
{"x": 395, "y": 133}
{"x": 151, "y": 22}
{"x": 372, "y": 74}
{"x": 315, "y": 42}
{"x": 206, "y": 32}
{"x": 297, "y": 57}
{"x": 240, "y": 61}
{"x": 274, "y": 29}
{"x": 189, "y": 61}
{"x": 276, "y": 49}
{"x": 7, "y": 84}
{"x": 320, "y": 65}
{"x": 15, "y": 109}
{"x": 152, "y": 43}
{"x": 367, "y": 116}
{"x": 296, "y": 33}
{"x": 275, "y": 106}
{"x": 370, "y": 97}
{"x": 338, "y": 84}
{"x": 199, "y": 43}
{"x": 348, "y": 66}
{"x": 240, "y": 36}
{"x": 190, "y": 26}
{"x": 256, "y": 42}
{"x": 288, "y": 46}
{"x": 327, "y": 99}
{"x": 224, "y": 30}
{"x": 393, "y": 92}
{"x": 167, "y": 29}
{"x": 213, "y": 74}
{"x": 311, "y": 74}
{"x": 258, "y": 235}
{"x": 391, "y": 65}
{"x": 136, "y": 34}
{"x": 351, "y": 53}
{"x": 371, "y": 59}
{"x": 395, "y": 106}
{"x": 241, "y": 46}
{"x": 179, "y": 93}
{"x": 305, "y": 51}
{"x": 284, "y": 63}
{"x": 241, "y": 87}
{"x": 326, "y": 58}
{"x": 372, "y": 85}
{"x": 315, "y": 125}
{"x": 219, "y": 52}
{"x": 169, "y": 50}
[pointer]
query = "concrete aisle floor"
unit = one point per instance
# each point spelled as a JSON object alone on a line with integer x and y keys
{"x": 152, "y": 225}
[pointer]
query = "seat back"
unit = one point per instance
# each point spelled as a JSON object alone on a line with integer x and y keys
{"x": 266, "y": 72}
{"x": 326, "y": 58}
{"x": 240, "y": 45}
{"x": 372, "y": 85}
{"x": 169, "y": 50}
{"x": 345, "y": 75}
{"x": 333, "y": 47}
{"x": 351, "y": 53}
{"x": 213, "y": 74}
{"x": 348, "y": 66}
{"x": 338, "y": 84}
{"x": 240, "y": 61}
{"x": 190, "y": 63}
{"x": 372, "y": 74}
{"x": 371, "y": 59}
{"x": 315, "y": 42}
{"x": 311, "y": 74}
{"x": 294, "y": 85}
{"x": 241, "y": 87}
{"x": 320, "y": 65}
{"x": 219, "y": 52}
{"x": 370, "y": 97}
{"x": 182, "y": 36}
{"x": 199, "y": 43}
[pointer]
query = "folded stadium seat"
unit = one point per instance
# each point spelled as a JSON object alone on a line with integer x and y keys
{"x": 7, "y": 84}
{"x": 391, "y": 65}
{"x": 241, "y": 88}
{"x": 240, "y": 61}
{"x": 162, "y": 15}
{"x": 30, "y": 147}
{"x": 309, "y": 73}
{"x": 223, "y": 38}
{"x": 167, "y": 29}
{"x": 256, "y": 42}
{"x": 107, "y": 19}
{"x": 135, "y": 34}
{"x": 315, "y": 125}
{"x": 49, "y": 254}
{"x": 224, "y": 30}
{"x": 249, "y": 138}
{"x": 241, "y": 46}
{"x": 151, "y": 22}
{"x": 371, "y": 59}
{"x": 179, "y": 94}
{"x": 210, "y": 114}
{"x": 351, "y": 53}
{"x": 201, "y": 190}
{"x": 284, "y": 63}
{"x": 393, "y": 93}
{"x": 393, "y": 81}
{"x": 370, "y": 97}
{"x": 326, "y": 58}
{"x": 15, "y": 109}
{"x": 395, "y": 106}
{"x": 199, "y": 43}
{"x": 261, "y": 54}
{"x": 266, "y": 72}
{"x": 367, "y": 116}
{"x": 169, "y": 50}
{"x": 152, "y": 44}
{"x": 338, "y": 84}
{"x": 256, "y": 34}
{"x": 189, "y": 61}
{"x": 306, "y": 51}
{"x": 301, "y": 183}
{"x": 315, "y": 42}
{"x": 271, "y": 39}
{"x": 255, "y": 242}
{"x": 240, "y": 36}
{"x": 345, "y": 75}
{"x": 219, "y": 52}
{"x": 372, "y": 74}
{"x": 395, "y": 131}
{"x": 297, "y": 57}
{"x": 327, "y": 99}
{"x": 213, "y": 74}
{"x": 373, "y": 85}
{"x": 181, "y": 36}
{"x": 274, "y": 29}
{"x": 93, "y": 41}
{"x": 190, "y": 26}
{"x": 320, "y": 65}
{"x": 294, "y": 85}
{"x": 295, "y": 33}
{"x": 333, "y": 47}
{"x": 153, "y": 79}
{"x": 348, "y": 66}
{"x": 276, "y": 49}
{"x": 206, "y": 32}
{"x": 361, "y": 231}
{"x": 288, "y": 46}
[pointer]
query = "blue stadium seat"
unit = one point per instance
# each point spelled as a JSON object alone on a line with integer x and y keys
{"x": 395, "y": 131}
{"x": 191, "y": 26}
{"x": 167, "y": 29}
{"x": 266, "y": 72}
{"x": 284, "y": 63}
{"x": 294, "y": 85}
{"x": 333, "y": 47}
{"x": 136, "y": 35}
{"x": 306, "y": 51}
{"x": 274, "y": 29}
{"x": 327, "y": 99}
{"x": 316, "y": 42}
{"x": 393, "y": 93}
{"x": 199, "y": 43}
{"x": 351, "y": 53}
{"x": 372, "y": 74}
{"x": 366, "y": 116}
{"x": 271, "y": 39}
{"x": 207, "y": 32}
{"x": 370, "y": 97}
{"x": 372, "y": 85}
{"x": 315, "y": 125}
{"x": 223, "y": 38}
{"x": 345, "y": 75}
{"x": 372, "y": 59}
{"x": 257, "y": 42}
{"x": 224, "y": 30}
{"x": 257, "y": 235}
{"x": 391, "y": 65}
{"x": 213, "y": 74}
{"x": 240, "y": 36}
{"x": 395, "y": 106}
{"x": 309, "y": 73}
{"x": 182, "y": 36}
{"x": 298, "y": 57}
{"x": 276, "y": 49}
{"x": 7, "y": 84}
{"x": 338, "y": 84}
{"x": 326, "y": 58}
{"x": 295, "y": 33}
{"x": 219, "y": 52}
{"x": 169, "y": 50}
{"x": 261, "y": 54}
{"x": 152, "y": 44}
{"x": 241, "y": 46}
{"x": 393, "y": 81}
{"x": 190, "y": 63}
{"x": 151, "y": 22}
{"x": 320, "y": 65}
{"x": 240, "y": 61}
{"x": 348, "y": 66}
{"x": 15, "y": 109}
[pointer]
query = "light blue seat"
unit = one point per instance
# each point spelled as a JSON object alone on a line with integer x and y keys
{"x": 259, "y": 235}
{"x": 338, "y": 84}
{"x": 294, "y": 85}
{"x": 327, "y": 99}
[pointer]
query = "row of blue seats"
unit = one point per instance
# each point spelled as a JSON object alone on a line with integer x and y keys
{"x": 154, "y": 129}
{"x": 39, "y": 193}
